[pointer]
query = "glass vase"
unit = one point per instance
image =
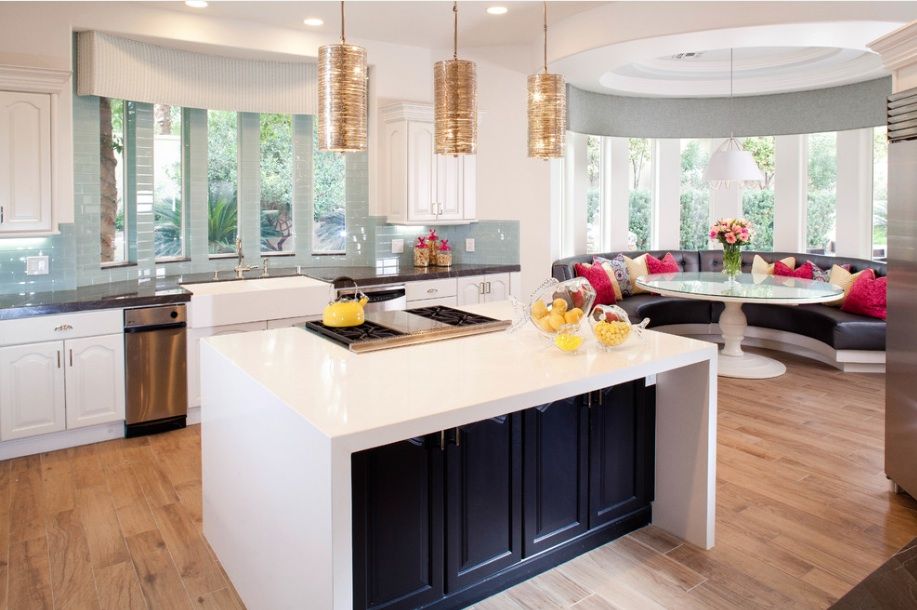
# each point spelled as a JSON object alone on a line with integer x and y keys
{"x": 732, "y": 261}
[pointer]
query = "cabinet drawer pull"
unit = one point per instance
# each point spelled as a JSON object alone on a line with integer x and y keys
{"x": 432, "y": 290}
{"x": 58, "y": 358}
{"x": 442, "y": 440}
{"x": 63, "y": 327}
{"x": 71, "y": 357}
{"x": 458, "y": 437}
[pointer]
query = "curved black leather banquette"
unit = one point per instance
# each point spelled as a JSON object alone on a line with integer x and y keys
{"x": 830, "y": 325}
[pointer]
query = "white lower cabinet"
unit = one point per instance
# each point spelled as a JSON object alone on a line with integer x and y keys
{"x": 32, "y": 390}
{"x": 483, "y": 288}
{"x": 58, "y": 385}
{"x": 94, "y": 380}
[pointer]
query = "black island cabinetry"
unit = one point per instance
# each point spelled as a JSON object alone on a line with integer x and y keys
{"x": 447, "y": 519}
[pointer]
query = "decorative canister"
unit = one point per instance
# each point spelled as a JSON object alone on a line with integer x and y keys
{"x": 444, "y": 258}
{"x": 421, "y": 256}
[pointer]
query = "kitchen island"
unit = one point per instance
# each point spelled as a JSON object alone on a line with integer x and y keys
{"x": 288, "y": 418}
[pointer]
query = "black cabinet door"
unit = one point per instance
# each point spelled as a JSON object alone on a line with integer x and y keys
{"x": 398, "y": 524}
{"x": 622, "y": 446}
{"x": 555, "y": 474}
{"x": 483, "y": 500}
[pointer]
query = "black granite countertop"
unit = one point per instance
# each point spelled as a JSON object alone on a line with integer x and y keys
{"x": 100, "y": 296}
{"x": 161, "y": 291}
{"x": 370, "y": 276}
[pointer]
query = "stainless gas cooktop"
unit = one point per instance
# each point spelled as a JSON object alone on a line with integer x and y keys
{"x": 388, "y": 329}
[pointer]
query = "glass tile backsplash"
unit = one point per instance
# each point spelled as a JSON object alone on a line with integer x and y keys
{"x": 74, "y": 254}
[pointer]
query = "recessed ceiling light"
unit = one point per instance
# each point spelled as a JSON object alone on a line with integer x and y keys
{"x": 313, "y": 21}
{"x": 196, "y": 3}
{"x": 497, "y": 10}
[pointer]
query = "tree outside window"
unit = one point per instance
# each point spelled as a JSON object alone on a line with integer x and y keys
{"x": 695, "y": 195}
{"x": 880, "y": 193}
{"x": 822, "y": 193}
{"x": 276, "y": 183}
{"x": 329, "y": 228}
{"x": 168, "y": 214}
{"x": 758, "y": 201}
{"x": 222, "y": 180}
{"x": 641, "y": 152}
{"x": 594, "y": 207}
{"x": 113, "y": 232}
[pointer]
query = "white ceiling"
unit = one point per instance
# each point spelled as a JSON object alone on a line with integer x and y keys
{"x": 426, "y": 24}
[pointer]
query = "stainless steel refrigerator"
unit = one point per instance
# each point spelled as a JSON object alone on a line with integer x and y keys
{"x": 901, "y": 342}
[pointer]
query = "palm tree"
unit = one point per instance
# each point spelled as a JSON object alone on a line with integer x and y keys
{"x": 109, "y": 185}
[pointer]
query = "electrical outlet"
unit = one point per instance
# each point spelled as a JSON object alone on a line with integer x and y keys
{"x": 37, "y": 265}
{"x": 397, "y": 246}
{"x": 469, "y": 244}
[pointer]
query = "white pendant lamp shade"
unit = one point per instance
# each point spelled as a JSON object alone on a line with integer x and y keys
{"x": 731, "y": 164}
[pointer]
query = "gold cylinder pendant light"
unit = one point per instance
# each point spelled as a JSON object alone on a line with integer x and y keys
{"x": 455, "y": 102}
{"x": 342, "y": 96}
{"x": 547, "y": 108}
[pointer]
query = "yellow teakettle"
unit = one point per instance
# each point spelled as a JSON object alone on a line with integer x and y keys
{"x": 345, "y": 311}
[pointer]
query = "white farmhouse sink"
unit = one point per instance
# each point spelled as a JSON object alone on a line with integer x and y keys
{"x": 239, "y": 301}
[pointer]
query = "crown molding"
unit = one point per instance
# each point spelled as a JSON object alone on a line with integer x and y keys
{"x": 33, "y": 80}
{"x": 899, "y": 48}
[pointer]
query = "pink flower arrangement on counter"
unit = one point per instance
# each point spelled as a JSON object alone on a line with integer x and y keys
{"x": 444, "y": 246}
{"x": 732, "y": 231}
{"x": 421, "y": 242}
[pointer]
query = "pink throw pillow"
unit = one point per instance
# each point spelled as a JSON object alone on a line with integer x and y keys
{"x": 804, "y": 271}
{"x": 666, "y": 265}
{"x": 596, "y": 275}
{"x": 868, "y": 296}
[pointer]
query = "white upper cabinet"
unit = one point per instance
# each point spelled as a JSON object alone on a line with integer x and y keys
{"x": 25, "y": 163}
{"x": 417, "y": 186}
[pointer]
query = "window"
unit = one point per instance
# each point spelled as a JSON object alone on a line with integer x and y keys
{"x": 276, "y": 183}
{"x": 113, "y": 227}
{"x": 222, "y": 183}
{"x": 822, "y": 193}
{"x": 329, "y": 227}
{"x": 594, "y": 198}
{"x": 168, "y": 211}
{"x": 758, "y": 201}
{"x": 880, "y": 193}
{"x": 641, "y": 189}
{"x": 695, "y": 195}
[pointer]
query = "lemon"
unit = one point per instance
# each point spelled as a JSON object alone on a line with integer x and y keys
{"x": 539, "y": 310}
{"x": 568, "y": 342}
{"x": 611, "y": 333}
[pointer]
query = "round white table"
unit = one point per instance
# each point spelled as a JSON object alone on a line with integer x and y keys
{"x": 747, "y": 288}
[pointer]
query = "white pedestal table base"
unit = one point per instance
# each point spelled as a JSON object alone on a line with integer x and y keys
{"x": 733, "y": 362}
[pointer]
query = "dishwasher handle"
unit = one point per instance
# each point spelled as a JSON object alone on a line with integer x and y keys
{"x": 380, "y": 296}
{"x": 155, "y": 327}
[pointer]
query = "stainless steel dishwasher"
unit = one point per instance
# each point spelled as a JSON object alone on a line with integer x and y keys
{"x": 156, "y": 373}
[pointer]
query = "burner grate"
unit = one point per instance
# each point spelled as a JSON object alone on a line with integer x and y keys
{"x": 450, "y": 316}
{"x": 353, "y": 334}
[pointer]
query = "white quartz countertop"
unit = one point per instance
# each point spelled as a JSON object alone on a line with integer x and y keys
{"x": 365, "y": 400}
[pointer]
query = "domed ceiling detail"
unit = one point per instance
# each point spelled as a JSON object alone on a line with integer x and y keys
{"x": 758, "y": 70}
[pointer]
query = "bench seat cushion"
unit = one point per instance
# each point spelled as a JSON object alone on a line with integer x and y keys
{"x": 839, "y": 329}
{"x": 663, "y": 311}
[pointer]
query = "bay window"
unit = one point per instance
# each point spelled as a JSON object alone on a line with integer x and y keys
{"x": 276, "y": 183}
{"x": 758, "y": 200}
{"x": 595, "y": 200}
{"x": 694, "y": 195}
{"x": 880, "y": 193}
{"x": 329, "y": 218}
{"x": 112, "y": 182}
{"x": 641, "y": 192}
{"x": 222, "y": 181}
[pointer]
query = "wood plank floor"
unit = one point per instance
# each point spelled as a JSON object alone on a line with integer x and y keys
{"x": 804, "y": 513}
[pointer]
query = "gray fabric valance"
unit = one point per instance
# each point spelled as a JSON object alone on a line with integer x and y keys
{"x": 111, "y": 66}
{"x": 831, "y": 109}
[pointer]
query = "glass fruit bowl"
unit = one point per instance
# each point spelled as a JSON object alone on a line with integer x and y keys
{"x": 561, "y": 304}
{"x": 611, "y": 326}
